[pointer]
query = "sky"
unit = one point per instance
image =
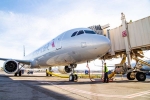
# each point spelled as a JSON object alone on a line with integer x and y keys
{"x": 34, "y": 22}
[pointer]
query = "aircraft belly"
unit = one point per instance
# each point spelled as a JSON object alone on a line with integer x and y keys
{"x": 82, "y": 55}
{"x": 89, "y": 54}
{"x": 61, "y": 59}
{"x": 78, "y": 56}
{"x": 42, "y": 61}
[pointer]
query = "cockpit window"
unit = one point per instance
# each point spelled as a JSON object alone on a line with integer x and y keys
{"x": 80, "y": 32}
{"x": 89, "y": 32}
{"x": 74, "y": 34}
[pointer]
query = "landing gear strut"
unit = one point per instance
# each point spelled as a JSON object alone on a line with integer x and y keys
{"x": 72, "y": 76}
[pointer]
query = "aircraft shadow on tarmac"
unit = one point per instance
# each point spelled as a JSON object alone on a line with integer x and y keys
{"x": 47, "y": 92}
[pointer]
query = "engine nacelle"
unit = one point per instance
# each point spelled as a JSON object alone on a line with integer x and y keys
{"x": 64, "y": 69}
{"x": 11, "y": 66}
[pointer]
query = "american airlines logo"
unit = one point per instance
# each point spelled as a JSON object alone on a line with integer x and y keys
{"x": 53, "y": 44}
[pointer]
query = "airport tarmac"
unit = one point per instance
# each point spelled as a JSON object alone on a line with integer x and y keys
{"x": 40, "y": 87}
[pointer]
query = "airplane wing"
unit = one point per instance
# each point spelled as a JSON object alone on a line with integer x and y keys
{"x": 20, "y": 61}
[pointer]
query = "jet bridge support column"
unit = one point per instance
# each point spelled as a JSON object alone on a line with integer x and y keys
{"x": 126, "y": 37}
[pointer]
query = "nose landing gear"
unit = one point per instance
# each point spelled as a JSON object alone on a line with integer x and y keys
{"x": 73, "y": 76}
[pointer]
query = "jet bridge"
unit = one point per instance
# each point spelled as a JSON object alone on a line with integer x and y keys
{"x": 130, "y": 36}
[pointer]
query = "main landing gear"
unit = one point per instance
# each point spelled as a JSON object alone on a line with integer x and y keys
{"x": 140, "y": 76}
{"x": 73, "y": 76}
{"x": 19, "y": 71}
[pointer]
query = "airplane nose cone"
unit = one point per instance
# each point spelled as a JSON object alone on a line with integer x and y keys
{"x": 105, "y": 43}
{"x": 102, "y": 43}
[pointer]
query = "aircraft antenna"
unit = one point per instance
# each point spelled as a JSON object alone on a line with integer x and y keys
{"x": 23, "y": 50}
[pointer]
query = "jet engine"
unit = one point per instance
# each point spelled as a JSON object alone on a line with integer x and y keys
{"x": 64, "y": 69}
{"x": 11, "y": 66}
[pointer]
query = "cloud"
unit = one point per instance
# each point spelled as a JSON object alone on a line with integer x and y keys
{"x": 19, "y": 30}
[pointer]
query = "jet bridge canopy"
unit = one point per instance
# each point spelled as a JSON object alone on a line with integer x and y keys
{"x": 138, "y": 33}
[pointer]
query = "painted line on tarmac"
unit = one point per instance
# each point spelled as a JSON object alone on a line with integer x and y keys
{"x": 138, "y": 94}
{"x": 90, "y": 93}
{"x": 145, "y": 96}
{"x": 84, "y": 92}
{"x": 97, "y": 94}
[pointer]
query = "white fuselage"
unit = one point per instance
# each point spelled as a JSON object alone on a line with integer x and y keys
{"x": 66, "y": 49}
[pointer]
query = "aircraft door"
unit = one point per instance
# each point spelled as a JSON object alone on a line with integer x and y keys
{"x": 58, "y": 42}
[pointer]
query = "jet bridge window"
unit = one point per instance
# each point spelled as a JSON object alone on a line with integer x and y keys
{"x": 89, "y": 32}
{"x": 80, "y": 32}
{"x": 74, "y": 34}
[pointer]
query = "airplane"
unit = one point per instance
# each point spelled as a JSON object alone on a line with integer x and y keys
{"x": 68, "y": 49}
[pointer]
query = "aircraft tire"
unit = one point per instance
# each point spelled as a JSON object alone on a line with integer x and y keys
{"x": 20, "y": 73}
{"x": 140, "y": 76}
{"x": 128, "y": 76}
{"x": 71, "y": 77}
{"x": 75, "y": 77}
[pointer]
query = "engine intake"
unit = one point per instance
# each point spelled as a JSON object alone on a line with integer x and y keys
{"x": 64, "y": 69}
{"x": 11, "y": 66}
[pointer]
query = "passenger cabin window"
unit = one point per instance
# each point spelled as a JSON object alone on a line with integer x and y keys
{"x": 74, "y": 34}
{"x": 89, "y": 32}
{"x": 80, "y": 32}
